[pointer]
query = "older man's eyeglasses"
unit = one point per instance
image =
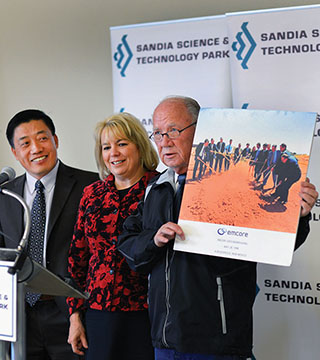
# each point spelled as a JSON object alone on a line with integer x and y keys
{"x": 157, "y": 136}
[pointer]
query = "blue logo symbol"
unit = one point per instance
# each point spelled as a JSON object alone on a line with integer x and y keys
{"x": 240, "y": 41}
{"x": 257, "y": 289}
{"x": 221, "y": 231}
{"x": 245, "y": 106}
{"x": 123, "y": 58}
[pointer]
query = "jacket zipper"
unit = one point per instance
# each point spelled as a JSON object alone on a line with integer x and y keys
{"x": 222, "y": 309}
{"x": 167, "y": 274}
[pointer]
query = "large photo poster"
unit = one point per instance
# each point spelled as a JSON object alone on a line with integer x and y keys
{"x": 241, "y": 198}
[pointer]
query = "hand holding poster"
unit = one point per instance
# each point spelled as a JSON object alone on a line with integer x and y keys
{"x": 243, "y": 184}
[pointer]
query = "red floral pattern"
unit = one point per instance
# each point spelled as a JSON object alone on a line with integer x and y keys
{"x": 94, "y": 262}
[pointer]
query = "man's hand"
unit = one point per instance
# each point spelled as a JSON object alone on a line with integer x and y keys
{"x": 77, "y": 335}
{"x": 166, "y": 233}
{"x": 309, "y": 195}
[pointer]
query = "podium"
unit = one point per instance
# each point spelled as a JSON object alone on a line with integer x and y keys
{"x": 34, "y": 277}
{"x": 19, "y": 272}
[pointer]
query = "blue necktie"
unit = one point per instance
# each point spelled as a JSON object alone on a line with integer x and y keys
{"x": 36, "y": 236}
{"x": 178, "y": 196}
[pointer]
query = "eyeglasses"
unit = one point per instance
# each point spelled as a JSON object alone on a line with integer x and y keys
{"x": 157, "y": 136}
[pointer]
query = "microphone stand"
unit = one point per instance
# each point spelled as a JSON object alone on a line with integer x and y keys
{"x": 22, "y": 247}
{"x": 18, "y": 348}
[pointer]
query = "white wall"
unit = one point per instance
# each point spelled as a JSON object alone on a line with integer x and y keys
{"x": 55, "y": 56}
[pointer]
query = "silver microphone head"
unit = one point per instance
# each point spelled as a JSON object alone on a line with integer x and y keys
{"x": 10, "y": 172}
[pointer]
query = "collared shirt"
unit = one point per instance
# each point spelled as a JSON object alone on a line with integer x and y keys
{"x": 49, "y": 182}
{"x": 274, "y": 157}
{"x": 176, "y": 180}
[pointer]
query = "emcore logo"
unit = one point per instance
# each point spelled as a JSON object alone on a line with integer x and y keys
{"x": 120, "y": 57}
{"x": 239, "y": 51}
{"x": 222, "y": 231}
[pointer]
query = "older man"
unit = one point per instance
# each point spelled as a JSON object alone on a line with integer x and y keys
{"x": 53, "y": 191}
{"x": 200, "y": 306}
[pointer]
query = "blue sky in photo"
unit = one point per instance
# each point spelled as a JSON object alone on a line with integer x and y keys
{"x": 274, "y": 127}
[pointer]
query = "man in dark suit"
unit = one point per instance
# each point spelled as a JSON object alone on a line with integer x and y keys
{"x": 246, "y": 152}
{"x": 237, "y": 154}
{"x": 261, "y": 165}
{"x": 212, "y": 155}
{"x": 31, "y": 135}
{"x": 264, "y": 159}
{"x": 257, "y": 165}
{"x": 219, "y": 155}
{"x": 200, "y": 158}
{"x": 273, "y": 159}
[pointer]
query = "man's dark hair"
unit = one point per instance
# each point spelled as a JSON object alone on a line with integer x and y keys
{"x": 26, "y": 116}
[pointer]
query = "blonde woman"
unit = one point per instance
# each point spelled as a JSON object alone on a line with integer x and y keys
{"x": 113, "y": 323}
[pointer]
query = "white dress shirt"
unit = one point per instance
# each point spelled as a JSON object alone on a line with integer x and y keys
{"x": 49, "y": 182}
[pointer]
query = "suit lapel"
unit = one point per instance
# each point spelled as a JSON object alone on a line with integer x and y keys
{"x": 63, "y": 187}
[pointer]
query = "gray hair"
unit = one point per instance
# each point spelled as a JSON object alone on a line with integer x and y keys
{"x": 191, "y": 104}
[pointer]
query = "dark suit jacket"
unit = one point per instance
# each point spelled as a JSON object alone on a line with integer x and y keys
{"x": 220, "y": 147}
{"x": 246, "y": 152}
{"x": 198, "y": 150}
{"x": 212, "y": 147}
{"x": 67, "y": 194}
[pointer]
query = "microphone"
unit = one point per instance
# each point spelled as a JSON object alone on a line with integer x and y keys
{"x": 7, "y": 174}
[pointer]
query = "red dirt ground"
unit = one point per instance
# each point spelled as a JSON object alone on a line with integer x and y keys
{"x": 229, "y": 198}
